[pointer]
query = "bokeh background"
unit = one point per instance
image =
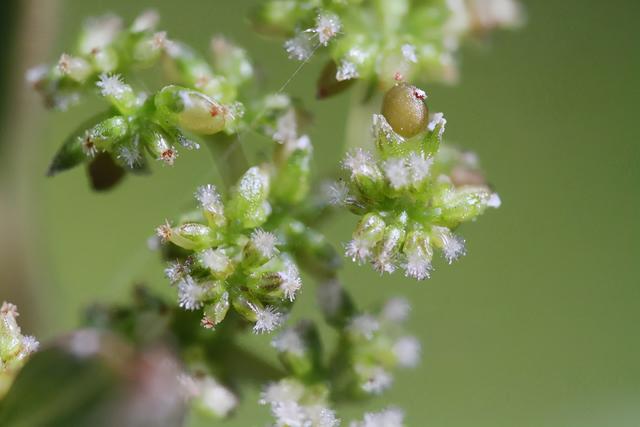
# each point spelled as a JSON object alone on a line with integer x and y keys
{"x": 538, "y": 326}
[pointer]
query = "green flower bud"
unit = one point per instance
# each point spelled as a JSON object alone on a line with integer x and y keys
{"x": 217, "y": 262}
{"x": 291, "y": 183}
{"x": 368, "y": 233}
{"x": 190, "y": 110}
{"x": 463, "y": 204}
{"x": 159, "y": 143}
{"x": 191, "y": 236}
{"x": 216, "y": 312}
{"x": 105, "y": 134}
{"x": 120, "y": 94}
{"x": 75, "y": 68}
{"x": 386, "y": 252}
{"x": 405, "y": 110}
{"x": 248, "y": 204}
{"x": 418, "y": 253}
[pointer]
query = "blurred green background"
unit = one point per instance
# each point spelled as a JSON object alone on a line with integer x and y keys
{"x": 536, "y": 326}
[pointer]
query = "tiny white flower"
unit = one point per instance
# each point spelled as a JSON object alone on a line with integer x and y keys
{"x": 347, "y": 70}
{"x": 30, "y": 344}
{"x": 417, "y": 266}
{"x": 384, "y": 263}
{"x": 209, "y": 199}
{"x": 291, "y": 281}
{"x": 88, "y": 146}
{"x": 494, "y": 201}
{"x": 377, "y": 380}
{"x": 407, "y": 351}
{"x": 359, "y": 250}
{"x": 398, "y": 174}
{"x": 176, "y": 271}
{"x": 409, "y": 52}
{"x": 164, "y": 231}
{"x": 129, "y": 155}
{"x": 321, "y": 416}
{"x": 216, "y": 397}
{"x": 390, "y": 417}
{"x": 190, "y": 294}
{"x": 327, "y": 27}
{"x": 112, "y": 85}
{"x": 300, "y": 47}
{"x": 453, "y": 247}
{"x": 396, "y": 309}
{"x": 289, "y": 341}
{"x": 289, "y": 414}
{"x": 265, "y": 242}
{"x": 419, "y": 167}
{"x": 215, "y": 260}
{"x": 437, "y": 119}
{"x": 99, "y": 33}
{"x": 286, "y": 127}
{"x": 365, "y": 325}
{"x": 268, "y": 319}
{"x": 361, "y": 162}
{"x": 337, "y": 193}
{"x": 281, "y": 391}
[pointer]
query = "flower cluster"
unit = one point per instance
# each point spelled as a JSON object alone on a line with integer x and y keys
{"x": 15, "y": 348}
{"x": 378, "y": 40}
{"x": 244, "y": 252}
{"x": 411, "y": 194}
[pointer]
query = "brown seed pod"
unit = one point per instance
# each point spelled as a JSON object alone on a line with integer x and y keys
{"x": 405, "y": 109}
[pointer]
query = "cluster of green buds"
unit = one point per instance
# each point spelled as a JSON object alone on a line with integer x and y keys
{"x": 411, "y": 194}
{"x": 198, "y": 101}
{"x": 244, "y": 252}
{"x": 381, "y": 39}
{"x": 15, "y": 348}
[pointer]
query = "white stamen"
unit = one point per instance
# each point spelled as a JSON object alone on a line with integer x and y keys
{"x": 265, "y": 243}
{"x": 397, "y": 173}
{"x": 267, "y": 319}
{"x": 190, "y": 294}
{"x": 327, "y": 27}
{"x": 209, "y": 199}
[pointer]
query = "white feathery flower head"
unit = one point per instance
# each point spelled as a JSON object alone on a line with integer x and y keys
{"x": 291, "y": 281}
{"x": 265, "y": 242}
{"x": 437, "y": 119}
{"x": 453, "y": 246}
{"x": 396, "y": 309}
{"x": 321, "y": 416}
{"x": 88, "y": 146}
{"x": 289, "y": 341}
{"x": 398, "y": 174}
{"x": 281, "y": 391}
{"x": 390, "y": 417}
{"x": 419, "y": 167}
{"x": 164, "y": 231}
{"x": 289, "y": 414}
{"x": 190, "y": 294}
{"x": 129, "y": 155}
{"x": 209, "y": 199}
{"x": 494, "y": 201}
{"x": 359, "y": 250}
{"x": 365, "y": 325}
{"x": 409, "y": 52}
{"x": 176, "y": 271}
{"x": 327, "y": 27}
{"x": 216, "y": 397}
{"x": 360, "y": 162}
{"x": 30, "y": 344}
{"x": 407, "y": 351}
{"x": 384, "y": 263}
{"x": 337, "y": 193}
{"x": 377, "y": 379}
{"x": 215, "y": 260}
{"x": 268, "y": 319}
{"x": 112, "y": 85}
{"x": 347, "y": 70}
{"x": 300, "y": 47}
{"x": 417, "y": 266}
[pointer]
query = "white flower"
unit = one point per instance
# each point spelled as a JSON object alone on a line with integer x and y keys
{"x": 361, "y": 162}
{"x": 291, "y": 281}
{"x": 217, "y": 398}
{"x": 407, "y": 351}
{"x": 289, "y": 341}
{"x": 164, "y": 231}
{"x": 399, "y": 176}
{"x": 453, "y": 247}
{"x": 417, "y": 266}
{"x": 99, "y": 32}
{"x": 337, "y": 193}
{"x": 390, "y": 417}
{"x": 209, "y": 199}
{"x": 215, "y": 260}
{"x": 437, "y": 119}
{"x": 418, "y": 167}
{"x": 300, "y": 47}
{"x": 347, "y": 70}
{"x": 112, "y": 85}
{"x": 190, "y": 294}
{"x": 176, "y": 271}
{"x": 286, "y": 127}
{"x": 359, "y": 250}
{"x": 494, "y": 201}
{"x": 396, "y": 309}
{"x": 88, "y": 146}
{"x": 365, "y": 325}
{"x": 327, "y": 27}
{"x": 265, "y": 243}
{"x": 409, "y": 52}
{"x": 30, "y": 344}
{"x": 289, "y": 414}
{"x": 321, "y": 416}
{"x": 267, "y": 319}
{"x": 129, "y": 155}
{"x": 377, "y": 379}
{"x": 281, "y": 391}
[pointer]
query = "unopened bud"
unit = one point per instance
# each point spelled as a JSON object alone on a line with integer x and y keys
{"x": 190, "y": 110}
